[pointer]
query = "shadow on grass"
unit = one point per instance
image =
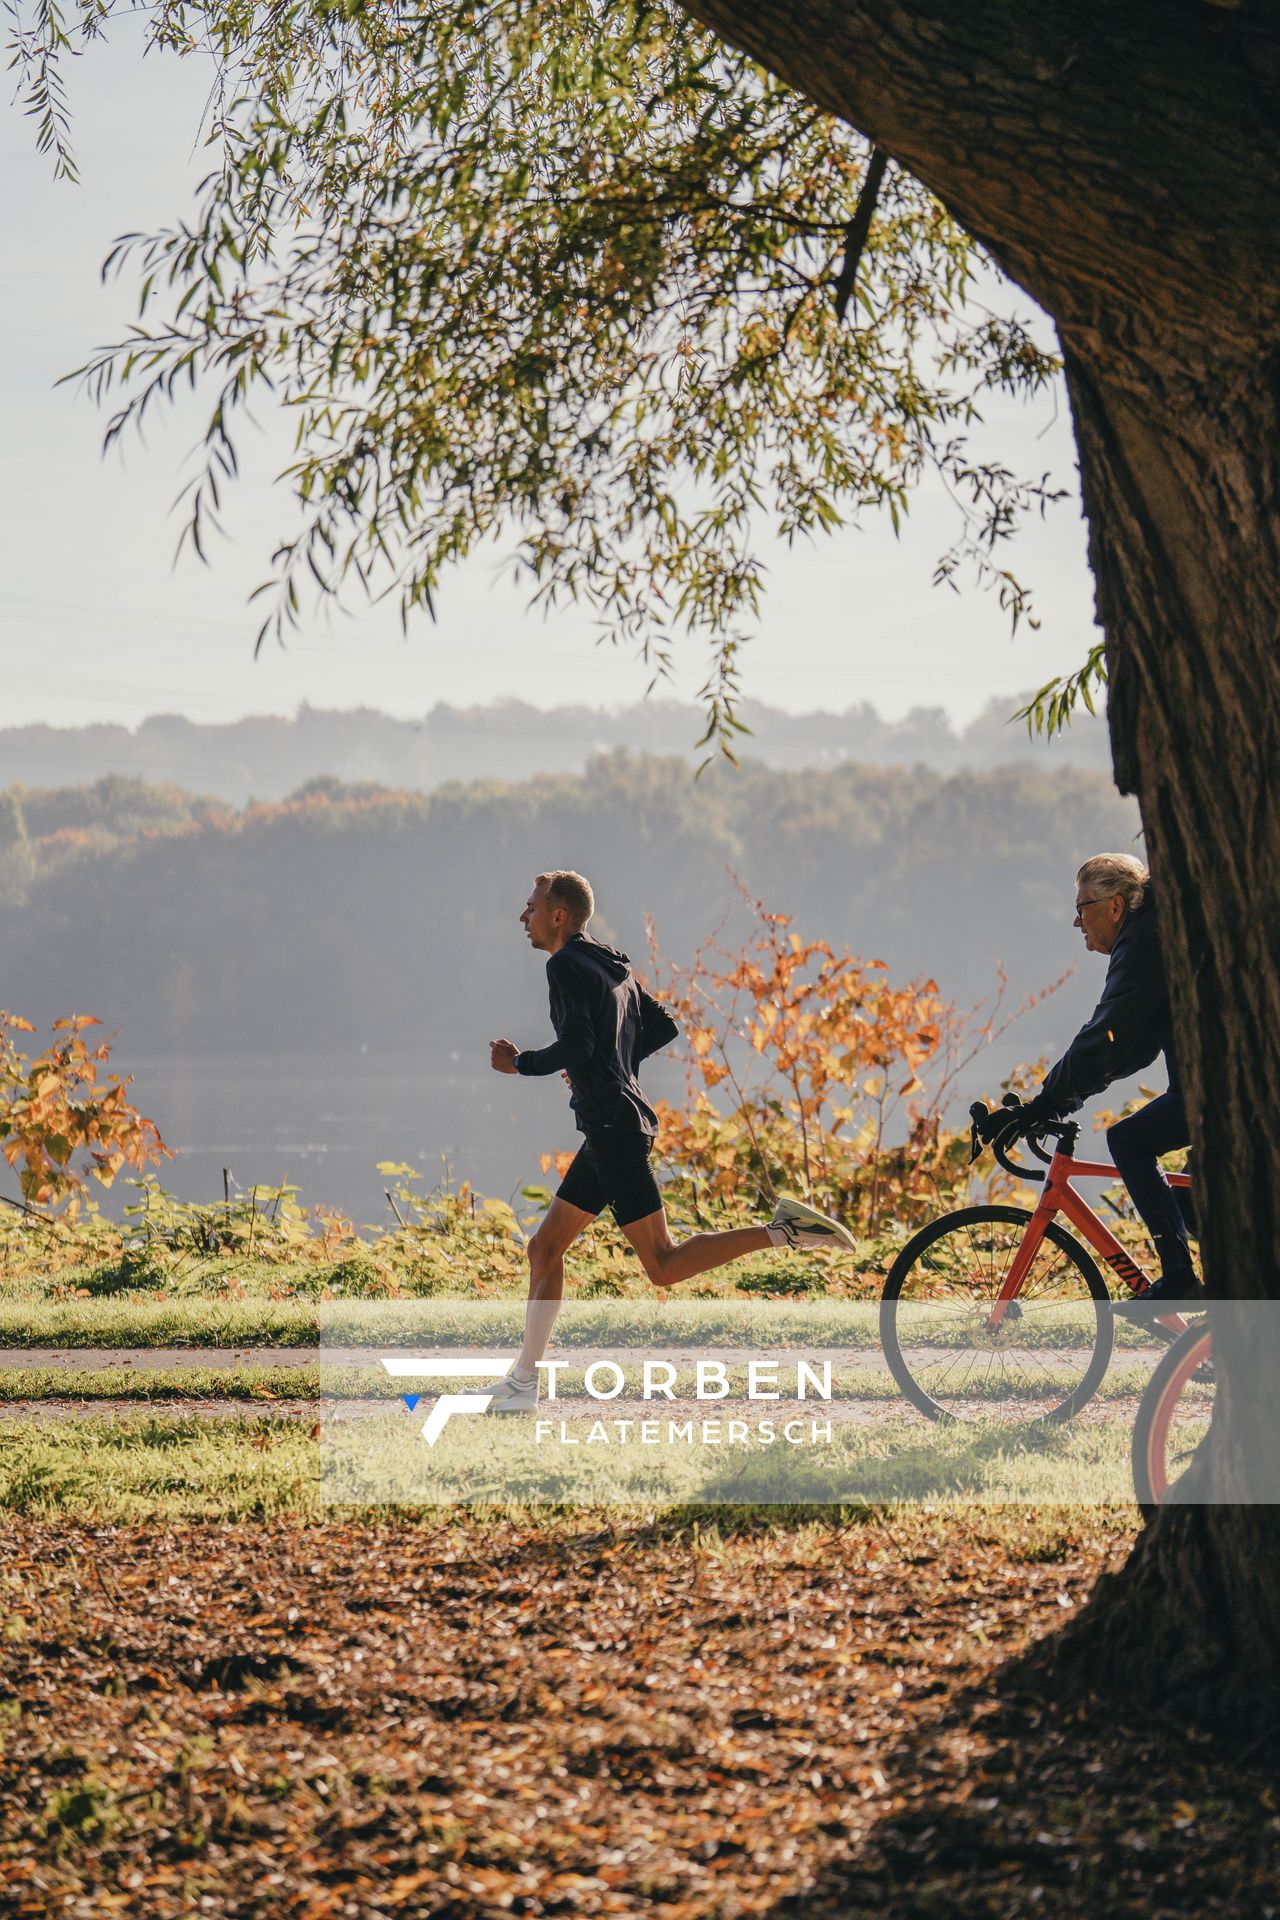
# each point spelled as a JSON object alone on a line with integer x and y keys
{"x": 741, "y": 1504}
{"x": 726, "y": 1510}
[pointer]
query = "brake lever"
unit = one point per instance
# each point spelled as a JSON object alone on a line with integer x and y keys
{"x": 1002, "y": 1146}
{"x": 977, "y": 1114}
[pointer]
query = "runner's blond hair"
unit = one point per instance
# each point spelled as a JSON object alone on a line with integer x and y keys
{"x": 569, "y": 890}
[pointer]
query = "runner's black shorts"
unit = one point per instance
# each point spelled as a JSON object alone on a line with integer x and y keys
{"x": 611, "y": 1169}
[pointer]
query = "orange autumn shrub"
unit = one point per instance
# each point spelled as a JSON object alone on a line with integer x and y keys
{"x": 811, "y": 1071}
{"x": 62, "y": 1121}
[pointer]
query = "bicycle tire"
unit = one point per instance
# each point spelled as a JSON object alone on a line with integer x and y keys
{"x": 965, "y": 1219}
{"x": 1178, "y": 1369}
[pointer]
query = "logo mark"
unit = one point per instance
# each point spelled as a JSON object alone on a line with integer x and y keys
{"x": 435, "y": 1367}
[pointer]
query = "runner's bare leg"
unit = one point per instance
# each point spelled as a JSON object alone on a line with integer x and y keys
{"x": 667, "y": 1261}
{"x": 561, "y": 1225}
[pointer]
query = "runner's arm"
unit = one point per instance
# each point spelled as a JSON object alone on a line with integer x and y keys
{"x": 657, "y": 1028}
{"x": 575, "y": 1040}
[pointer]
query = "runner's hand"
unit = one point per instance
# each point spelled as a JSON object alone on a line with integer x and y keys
{"x": 502, "y": 1055}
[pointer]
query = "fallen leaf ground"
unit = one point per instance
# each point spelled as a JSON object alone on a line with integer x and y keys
{"x": 485, "y": 1717}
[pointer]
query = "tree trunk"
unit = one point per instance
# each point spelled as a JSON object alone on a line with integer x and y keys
{"x": 1120, "y": 164}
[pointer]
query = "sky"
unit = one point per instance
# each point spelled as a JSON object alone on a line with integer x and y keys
{"x": 97, "y": 623}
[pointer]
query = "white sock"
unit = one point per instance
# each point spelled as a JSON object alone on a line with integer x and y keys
{"x": 526, "y": 1379}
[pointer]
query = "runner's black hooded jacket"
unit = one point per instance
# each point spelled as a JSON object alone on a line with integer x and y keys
{"x": 606, "y": 1024}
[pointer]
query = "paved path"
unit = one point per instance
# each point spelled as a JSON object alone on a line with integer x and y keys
{"x": 841, "y": 1413}
{"x": 846, "y": 1410}
{"x": 58, "y": 1411}
{"x": 90, "y": 1359}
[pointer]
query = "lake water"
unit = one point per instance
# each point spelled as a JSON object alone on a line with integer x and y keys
{"x": 324, "y": 1129}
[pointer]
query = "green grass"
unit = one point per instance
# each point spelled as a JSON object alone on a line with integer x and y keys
{"x": 384, "y": 1460}
{"x": 461, "y": 1265}
{"x": 139, "y": 1319}
{"x": 175, "y": 1466}
{"x": 164, "y": 1467}
{"x": 177, "y": 1383}
{"x": 135, "y": 1320}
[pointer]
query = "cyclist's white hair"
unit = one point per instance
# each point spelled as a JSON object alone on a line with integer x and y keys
{"x": 1106, "y": 873}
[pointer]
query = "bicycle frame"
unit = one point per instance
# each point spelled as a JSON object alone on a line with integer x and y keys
{"x": 1059, "y": 1196}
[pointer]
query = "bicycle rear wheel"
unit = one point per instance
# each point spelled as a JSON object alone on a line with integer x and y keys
{"x": 1173, "y": 1416}
{"x": 1053, "y": 1344}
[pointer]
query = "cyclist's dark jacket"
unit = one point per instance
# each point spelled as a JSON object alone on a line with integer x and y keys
{"x": 1130, "y": 1025}
{"x": 606, "y": 1024}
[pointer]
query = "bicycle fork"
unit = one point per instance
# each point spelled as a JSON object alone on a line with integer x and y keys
{"x": 1037, "y": 1226}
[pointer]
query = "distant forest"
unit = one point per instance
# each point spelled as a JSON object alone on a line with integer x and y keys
{"x": 269, "y": 758}
{"x": 350, "y": 917}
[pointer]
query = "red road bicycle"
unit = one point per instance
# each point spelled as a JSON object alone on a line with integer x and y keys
{"x": 1173, "y": 1416}
{"x": 999, "y": 1312}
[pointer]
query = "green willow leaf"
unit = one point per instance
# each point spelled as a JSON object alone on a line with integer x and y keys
{"x": 560, "y": 272}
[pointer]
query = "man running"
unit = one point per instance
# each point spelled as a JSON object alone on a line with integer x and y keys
{"x": 605, "y": 1025}
{"x": 1131, "y": 1024}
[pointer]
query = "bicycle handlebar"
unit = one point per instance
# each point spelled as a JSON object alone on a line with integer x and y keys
{"x": 988, "y": 1130}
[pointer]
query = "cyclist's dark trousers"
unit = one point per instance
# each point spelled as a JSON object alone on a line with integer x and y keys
{"x": 1136, "y": 1144}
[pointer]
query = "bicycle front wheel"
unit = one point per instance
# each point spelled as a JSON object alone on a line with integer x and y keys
{"x": 1041, "y": 1361}
{"x": 1173, "y": 1416}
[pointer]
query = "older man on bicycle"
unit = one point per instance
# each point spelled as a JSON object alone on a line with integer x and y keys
{"x": 1131, "y": 1024}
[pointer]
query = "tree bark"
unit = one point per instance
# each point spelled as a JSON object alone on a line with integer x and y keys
{"x": 1120, "y": 163}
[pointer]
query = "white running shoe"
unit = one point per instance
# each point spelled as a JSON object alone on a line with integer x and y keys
{"x": 804, "y": 1228}
{"x": 514, "y": 1396}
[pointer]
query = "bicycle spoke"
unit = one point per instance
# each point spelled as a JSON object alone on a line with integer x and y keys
{"x": 967, "y": 1352}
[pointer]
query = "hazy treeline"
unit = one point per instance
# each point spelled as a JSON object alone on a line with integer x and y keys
{"x": 349, "y": 917}
{"x": 268, "y": 758}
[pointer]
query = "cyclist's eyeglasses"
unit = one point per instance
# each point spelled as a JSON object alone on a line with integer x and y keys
{"x": 1095, "y": 902}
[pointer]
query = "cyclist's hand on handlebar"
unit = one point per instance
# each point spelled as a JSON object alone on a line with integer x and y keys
{"x": 990, "y": 1123}
{"x": 1040, "y": 1112}
{"x": 1001, "y": 1129}
{"x": 1014, "y": 1118}
{"x": 993, "y": 1126}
